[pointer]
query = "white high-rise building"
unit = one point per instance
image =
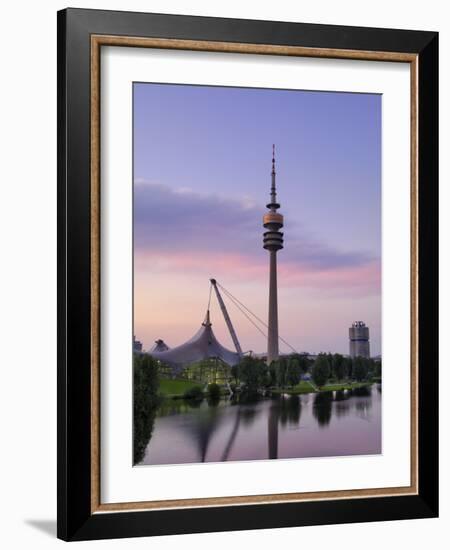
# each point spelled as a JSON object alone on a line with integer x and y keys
{"x": 359, "y": 340}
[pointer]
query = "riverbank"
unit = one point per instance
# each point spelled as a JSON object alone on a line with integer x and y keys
{"x": 176, "y": 388}
{"x": 308, "y": 387}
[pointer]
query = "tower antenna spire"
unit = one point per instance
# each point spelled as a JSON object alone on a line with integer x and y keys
{"x": 273, "y": 188}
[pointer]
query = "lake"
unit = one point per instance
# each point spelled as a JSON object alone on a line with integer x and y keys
{"x": 338, "y": 423}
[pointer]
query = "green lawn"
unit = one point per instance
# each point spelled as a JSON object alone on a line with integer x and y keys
{"x": 345, "y": 386}
{"x": 302, "y": 387}
{"x": 175, "y": 387}
{"x": 308, "y": 387}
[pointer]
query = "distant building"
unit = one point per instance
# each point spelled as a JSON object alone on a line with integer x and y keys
{"x": 359, "y": 340}
{"x": 160, "y": 345}
{"x": 137, "y": 346}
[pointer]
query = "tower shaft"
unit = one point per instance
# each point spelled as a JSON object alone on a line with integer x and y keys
{"x": 272, "y": 343}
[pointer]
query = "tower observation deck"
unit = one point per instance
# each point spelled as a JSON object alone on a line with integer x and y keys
{"x": 273, "y": 241}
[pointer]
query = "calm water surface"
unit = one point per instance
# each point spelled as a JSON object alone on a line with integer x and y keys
{"x": 311, "y": 425}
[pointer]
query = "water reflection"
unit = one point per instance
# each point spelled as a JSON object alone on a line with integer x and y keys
{"x": 248, "y": 414}
{"x": 365, "y": 391}
{"x": 322, "y": 407}
{"x": 342, "y": 403}
{"x": 323, "y": 424}
{"x": 203, "y": 430}
{"x": 213, "y": 401}
{"x": 232, "y": 437}
{"x": 341, "y": 395}
{"x": 272, "y": 429}
{"x": 142, "y": 432}
{"x": 290, "y": 410}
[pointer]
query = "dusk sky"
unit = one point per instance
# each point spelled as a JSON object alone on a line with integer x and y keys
{"x": 202, "y": 162}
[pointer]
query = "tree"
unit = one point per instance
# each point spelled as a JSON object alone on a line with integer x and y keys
{"x": 348, "y": 367}
{"x": 252, "y": 373}
{"x": 145, "y": 402}
{"x": 294, "y": 371}
{"x": 272, "y": 374}
{"x": 338, "y": 366}
{"x": 305, "y": 362}
{"x": 374, "y": 368}
{"x": 321, "y": 370}
{"x": 377, "y": 368}
{"x": 235, "y": 373}
{"x": 282, "y": 372}
{"x": 360, "y": 368}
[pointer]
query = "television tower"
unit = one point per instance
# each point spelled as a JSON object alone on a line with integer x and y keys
{"x": 273, "y": 241}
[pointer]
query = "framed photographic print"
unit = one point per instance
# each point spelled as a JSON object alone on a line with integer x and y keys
{"x": 247, "y": 274}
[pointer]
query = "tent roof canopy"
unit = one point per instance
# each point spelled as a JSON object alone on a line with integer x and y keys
{"x": 203, "y": 345}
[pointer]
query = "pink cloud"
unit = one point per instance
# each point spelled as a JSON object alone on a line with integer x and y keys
{"x": 362, "y": 279}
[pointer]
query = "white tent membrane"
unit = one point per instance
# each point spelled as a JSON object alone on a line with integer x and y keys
{"x": 203, "y": 345}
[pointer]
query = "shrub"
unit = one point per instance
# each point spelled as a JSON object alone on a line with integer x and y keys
{"x": 196, "y": 392}
{"x": 214, "y": 391}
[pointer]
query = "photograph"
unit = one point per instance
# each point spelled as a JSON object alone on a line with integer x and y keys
{"x": 257, "y": 260}
{"x": 224, "y": 277}
{"x": 247, "y": 262}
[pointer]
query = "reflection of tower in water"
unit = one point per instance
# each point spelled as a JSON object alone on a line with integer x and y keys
{"x": 282, "y": 411}
{"x": 272, "y": 429}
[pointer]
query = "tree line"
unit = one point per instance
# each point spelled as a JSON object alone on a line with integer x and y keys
{"x": 339, "y": 367}
{"x": 253, "y": 373}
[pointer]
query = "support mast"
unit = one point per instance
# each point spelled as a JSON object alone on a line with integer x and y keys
{"x": 233, "y": 334}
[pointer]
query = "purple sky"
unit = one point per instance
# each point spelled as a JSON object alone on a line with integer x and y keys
{"x": 202, "y": 160}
